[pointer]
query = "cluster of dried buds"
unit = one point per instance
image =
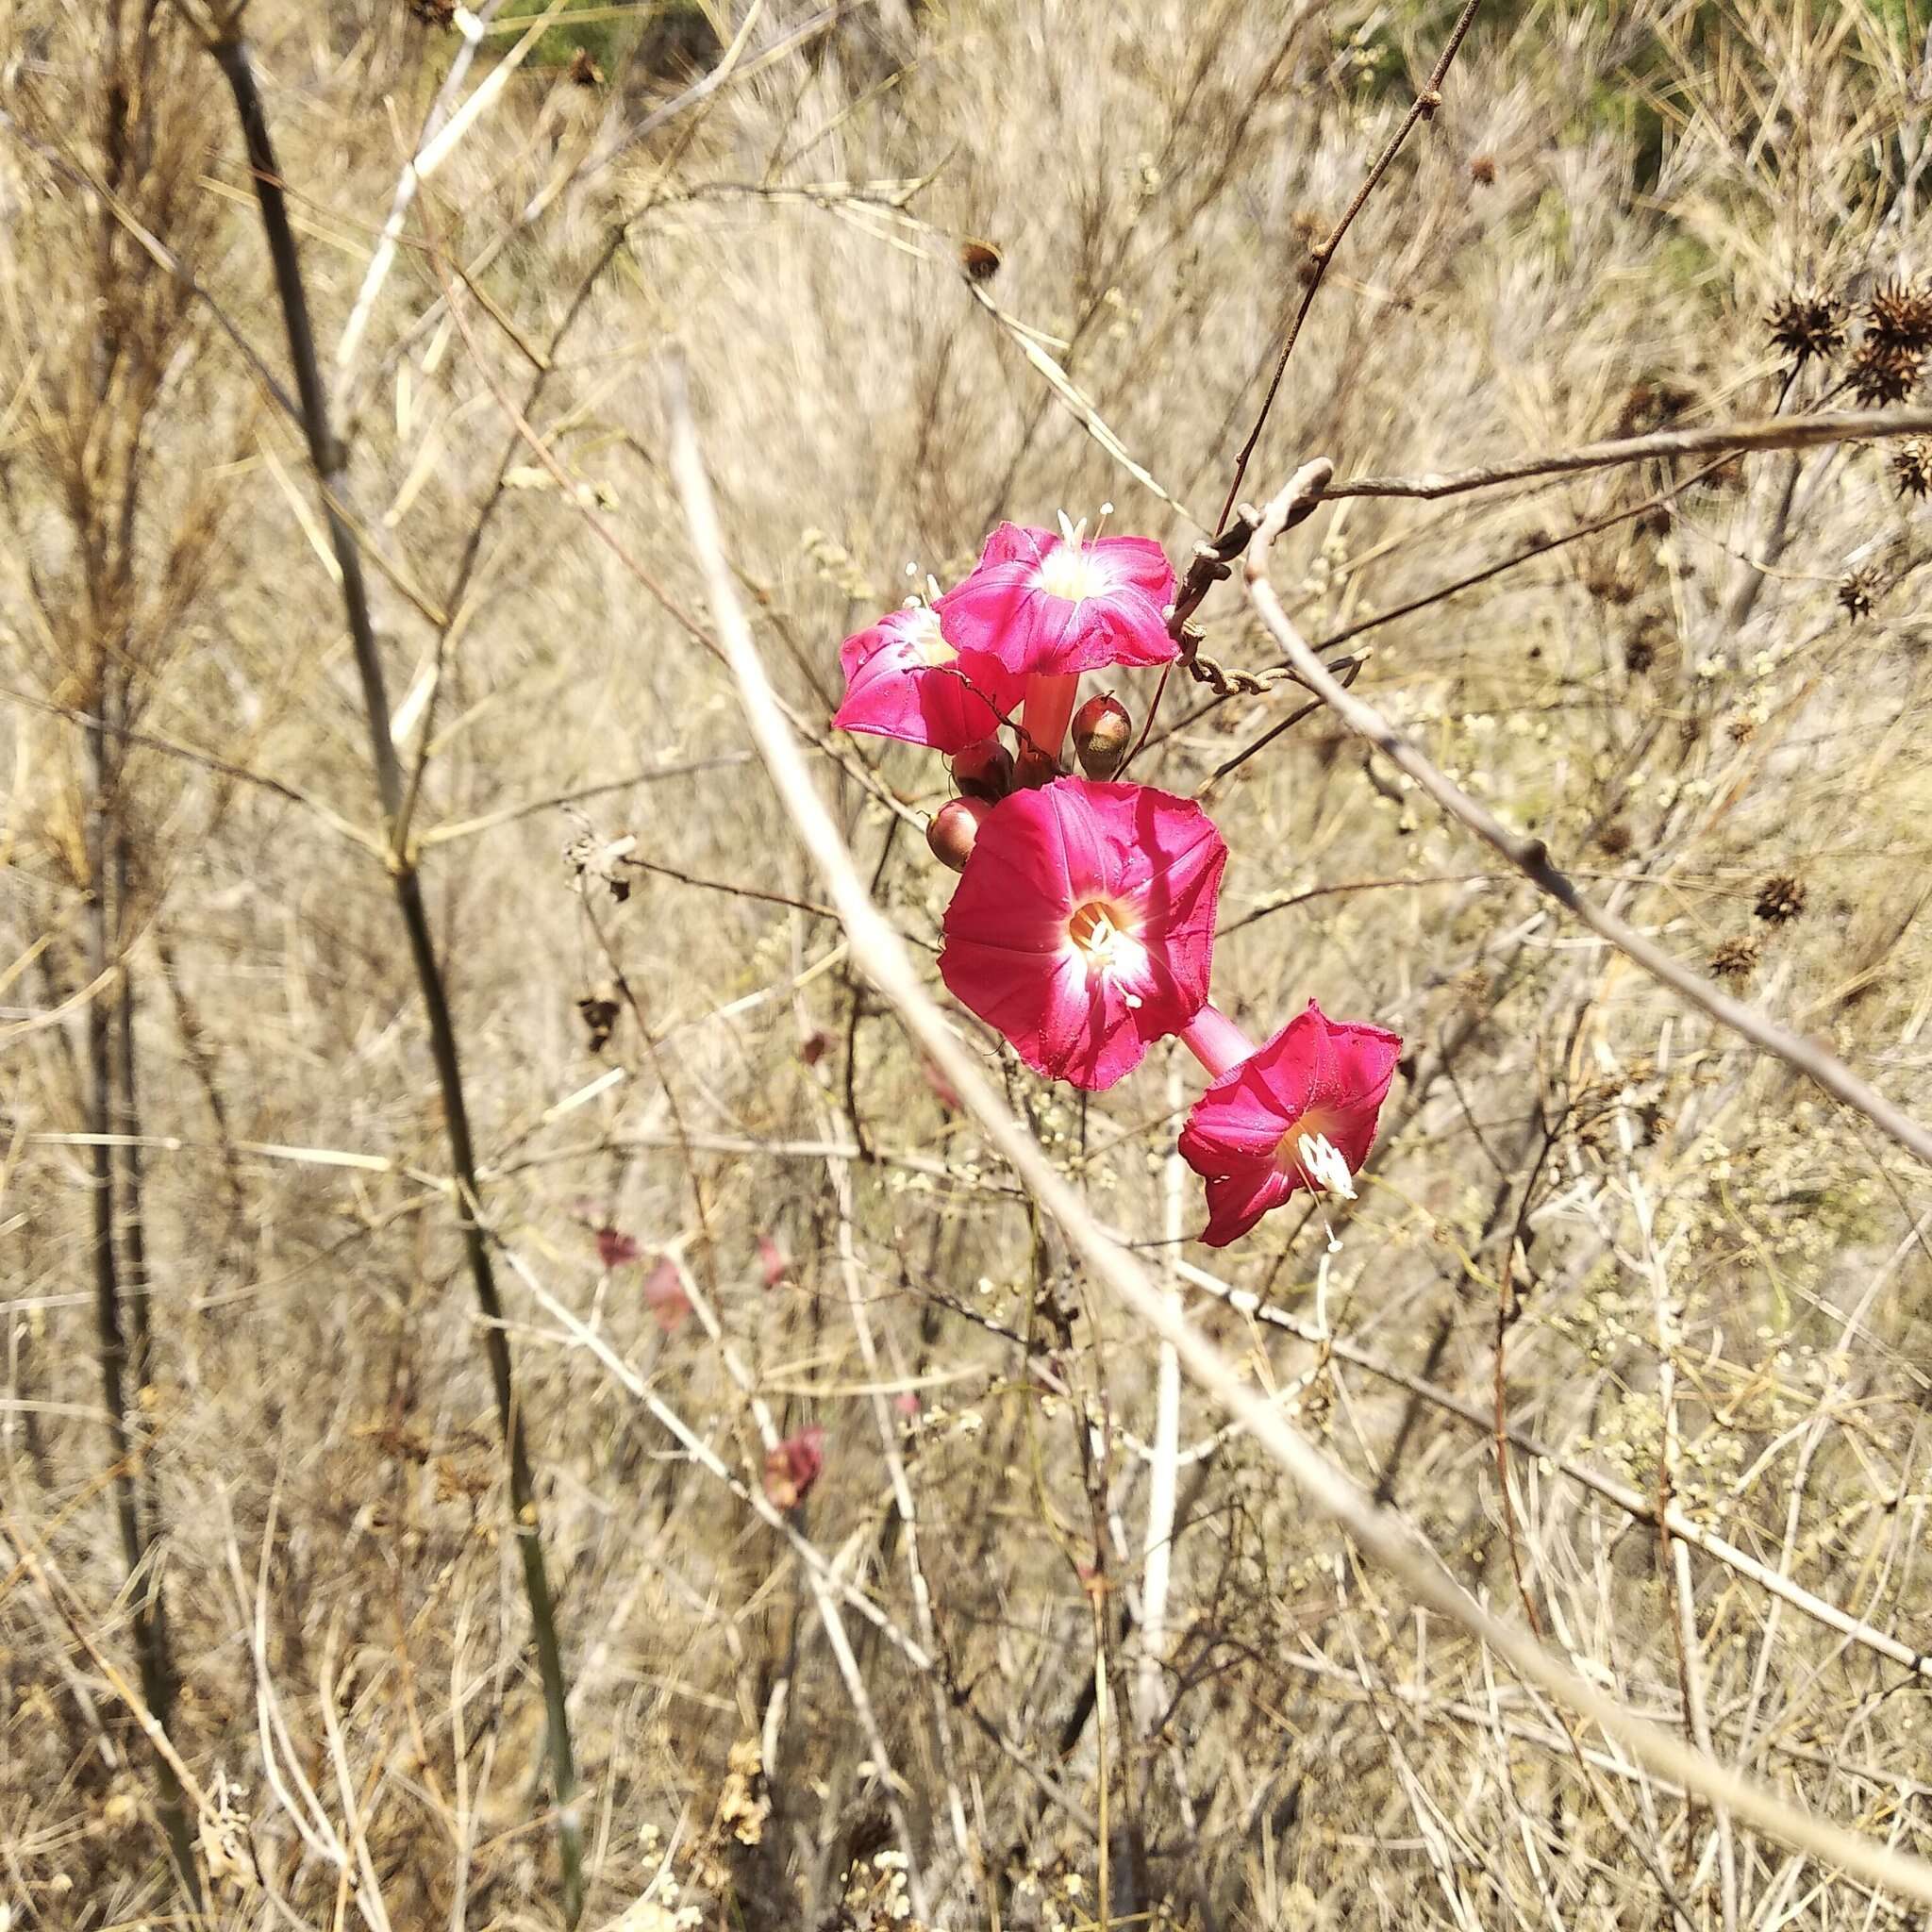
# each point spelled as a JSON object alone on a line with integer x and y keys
{"x": 1894, "y": 336}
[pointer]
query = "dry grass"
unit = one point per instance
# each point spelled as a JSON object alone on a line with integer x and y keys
{"x": 1709, "y": 1284}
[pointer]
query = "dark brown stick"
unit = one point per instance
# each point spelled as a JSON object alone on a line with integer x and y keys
{"x": 1774, "y": 432}
{"x": 1426, "y": 102}
{"x": 231, "y": 53}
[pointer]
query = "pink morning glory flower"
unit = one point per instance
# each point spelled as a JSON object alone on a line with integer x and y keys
{"x": 1083, "y": 925}
{"x": 906, "y": 679}
{"x": 1298, "y": 1113}
{"x": 1052, "y": 606}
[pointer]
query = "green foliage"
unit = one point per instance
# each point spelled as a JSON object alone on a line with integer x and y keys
{"x": 605, "y": 39}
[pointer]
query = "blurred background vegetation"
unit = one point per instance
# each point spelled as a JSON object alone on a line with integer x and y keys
{"x": 280, "y": 1517}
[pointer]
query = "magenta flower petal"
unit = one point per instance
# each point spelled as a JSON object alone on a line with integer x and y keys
{"x": 1235, "y": 1202}
{"x": 1319, "y": 1080}
{"x": 1083, "y": 926}
{"x": 904, "y": 678}
{"x": 1047, "y": 606}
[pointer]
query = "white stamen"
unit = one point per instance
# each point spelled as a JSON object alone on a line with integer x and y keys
{"x": 927, "y": 638}
{"x": 1104, "y": 944}
{"x": 1322, "y": 1162}
{"x": 932, "y": 589}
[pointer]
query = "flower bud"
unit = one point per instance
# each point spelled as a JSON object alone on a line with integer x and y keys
{"x": 954, "y": 827}
{"x": 984, "y": 770}
{"x": 1034, "y": 767}
{"x": 1102, "y": 730}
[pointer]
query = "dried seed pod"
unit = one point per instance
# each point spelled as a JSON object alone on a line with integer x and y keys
{"x": 1884, "y": 372}
{"x": 980, "y": 259}
{"x": 1912, "y": 467}
{"x": 1900, "y": 316}
{"x": 1803, "y": 326}
{"x": 1734, "y": 959}
{"x": 1780, "y": 899}
{"x": 1857, "y": 590}
{"x": 600, "y": 1010}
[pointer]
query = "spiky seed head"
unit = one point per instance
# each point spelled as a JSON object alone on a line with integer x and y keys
{"x": 1900, "y": 316}
{"x": 1734, "y": 959}
{"x": 1482, "y": 170}
{"x": 1803, "y": 326}
{"x": 1856, "y": 591}
{"x": 1912, "y": 467}
{"x": 1780, "y": 899}
{"x": 1884, "y": 372}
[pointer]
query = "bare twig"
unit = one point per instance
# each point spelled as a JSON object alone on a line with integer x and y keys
{"x": 1426, "y": 102}
{"x": 1531, "y": 857}
{"x": 1776, "y": 432}
{"x": 232, "y": 54}
{"x": 440, "y": 134}
{"x": 1381, "y": 1536}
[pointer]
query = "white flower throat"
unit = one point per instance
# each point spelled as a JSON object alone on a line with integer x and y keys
{"x": 1069, "y": 569}
{"x": 929, "y": 641}
{"x": 1104, "y": 941}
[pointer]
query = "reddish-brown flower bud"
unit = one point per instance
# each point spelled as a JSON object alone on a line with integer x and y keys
{"x": 984, "y": 770}
{"x": 1034, "y": 768}
{"x": 1102, "y": 730}
{"x": 954, "y": 827}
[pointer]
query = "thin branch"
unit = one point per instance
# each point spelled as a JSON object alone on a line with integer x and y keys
{"x": 1776, "y": 432}
{"x": 1637, "y": 1505}
{"x": 232, "y": 54}
{"x": 1531, "y": 857}
{"x": 150, "y": 740}
{"x": 440, "y": 134}
{"x": 1426, "y": 102}
{"x": 1380, "y": 1534}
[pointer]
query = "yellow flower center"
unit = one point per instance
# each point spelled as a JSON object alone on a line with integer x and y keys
{"x": 1102, "y": 936}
